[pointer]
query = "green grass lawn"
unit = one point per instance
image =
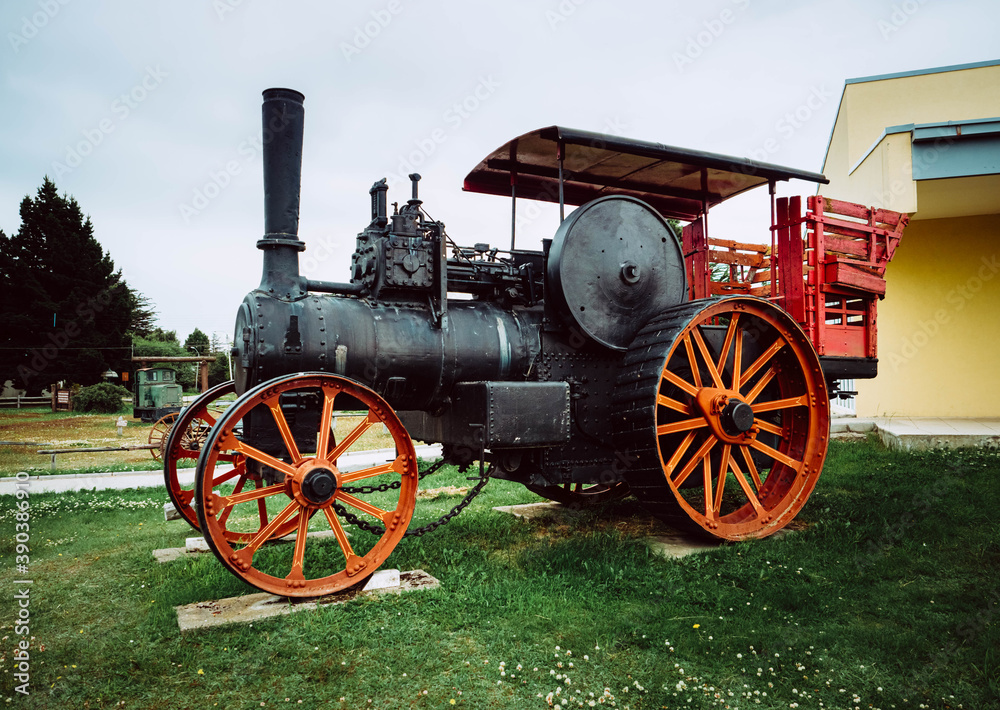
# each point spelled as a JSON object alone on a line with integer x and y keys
{"x": 888, "y": 599}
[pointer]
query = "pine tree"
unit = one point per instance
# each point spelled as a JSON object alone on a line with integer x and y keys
{"x": 65, "y": 311}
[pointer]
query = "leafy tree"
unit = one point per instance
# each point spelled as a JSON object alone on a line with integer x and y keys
{"x": 218, "y": 371}
{"x": 164, "y": 336}
{"x": 197, "y": 343}
{"x": 65, "y": 311}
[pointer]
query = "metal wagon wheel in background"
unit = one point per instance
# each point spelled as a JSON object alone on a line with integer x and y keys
{"x": 309, "y": 489}
{"x": 159, "y": 433}
{"x": 581, "y": 495}
{"x": 725, "y": 405}
{"x": 186, "y": 440}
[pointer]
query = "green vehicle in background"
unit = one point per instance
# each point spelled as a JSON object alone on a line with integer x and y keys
{"x": 157, "y": 394}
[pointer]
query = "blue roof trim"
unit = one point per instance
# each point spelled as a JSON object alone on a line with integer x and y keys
{"x": 921, "y": 132}
{"x": 922, "y": 72}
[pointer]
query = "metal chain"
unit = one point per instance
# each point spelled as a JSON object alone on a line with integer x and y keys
{"x": 483, "y": 479}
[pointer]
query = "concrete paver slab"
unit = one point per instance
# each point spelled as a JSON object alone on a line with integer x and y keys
{"x": 251, "y": 607}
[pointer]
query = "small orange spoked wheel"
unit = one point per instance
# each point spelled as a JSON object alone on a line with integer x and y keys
{"x": 284, "y": 429}
{"x": 159, "y": 433}
{"x": 724, "y": 406}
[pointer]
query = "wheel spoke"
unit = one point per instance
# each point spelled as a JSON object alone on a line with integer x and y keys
{"x": 709, "y": 360}
{"x": 761, "y": 384}
{"x": 364, "y": 473}
{"x": 679, "y": 453}
{"x": 751, "y": 467}
{"x": 355, "y": 434}
{"x": 229, "y": 511}
{"x": 787, "y": 403}
{"x": 776, "y": 455}
{"x": 737, "y": 361}
{"x": 325, "y": 420}
{"x": 363, "y": 506}
{"x": 699, "y": 455}
{"x": 338, "y": 532}
{"x": 730, "y": 334}
{"x": 747, "y": 491}
{"x": 227, "y": 476}
{"x": 299, "y": 553}
{"x": 695, "y": 370}
{"x": 680, "y": 383}
{"x": 685, "y": 425}
{"x": 265, "y": 533}
{"x": 770, "y": 428}
{"x": 706, "y": 472}
{"x": 286, "y": 433}
{"x": 765, "y": 357}
{"x": 236, "y": 499}
{"x": 673, "y": 404}
{"x": 234, "y": 444}
{"x": 720, "y": 485}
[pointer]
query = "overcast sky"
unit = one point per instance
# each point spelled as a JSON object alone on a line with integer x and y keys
{"x": 148, "y": 113}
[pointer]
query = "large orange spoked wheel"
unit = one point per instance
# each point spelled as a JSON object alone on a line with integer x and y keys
{"x": 284, "y": 429}
{"x": 724, "y": 407}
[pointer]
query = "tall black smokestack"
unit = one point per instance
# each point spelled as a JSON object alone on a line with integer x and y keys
{"x": 283, "y": 117}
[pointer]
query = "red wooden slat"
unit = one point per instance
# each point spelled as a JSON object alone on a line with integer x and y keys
{"x": 850, "y": 276}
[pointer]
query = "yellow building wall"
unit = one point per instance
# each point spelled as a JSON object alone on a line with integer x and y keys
{"x": 926, "y": 98}
{"x": 939, "y": 325}
{"x": 885, "y": 179}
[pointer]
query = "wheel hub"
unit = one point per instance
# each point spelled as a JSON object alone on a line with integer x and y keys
{"x": 731, "y": 419}
{"x": 736, "y": 417}
{"x": 319, "y": 485}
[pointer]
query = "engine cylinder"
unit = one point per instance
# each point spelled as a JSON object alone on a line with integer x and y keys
{"x": 396, "y": 349}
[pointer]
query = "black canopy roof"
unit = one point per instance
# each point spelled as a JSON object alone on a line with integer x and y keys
{"x": 678, "y": 182}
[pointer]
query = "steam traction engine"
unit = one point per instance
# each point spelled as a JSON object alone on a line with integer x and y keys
{"x": 693, "y": 373}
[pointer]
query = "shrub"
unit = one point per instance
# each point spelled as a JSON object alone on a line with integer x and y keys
{"x": 104, "y": 398}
